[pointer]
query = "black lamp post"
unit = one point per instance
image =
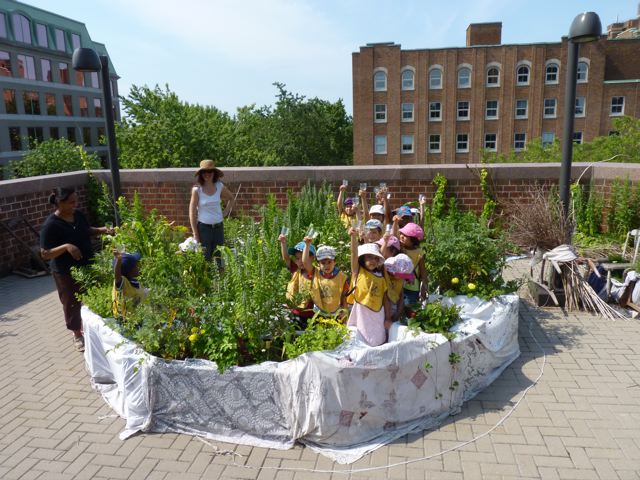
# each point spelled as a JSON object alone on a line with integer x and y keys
{"x": 585, "y": 28}
{"x": 87, "y": 60}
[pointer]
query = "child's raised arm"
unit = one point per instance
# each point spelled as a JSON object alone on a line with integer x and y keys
{"x": 354, "y": 253}
{"x": 422, "y": 200}
{"x": 117, "y": 268}
{"x": 283, "y": 250}
{"x": 340, "y": 196}
{"x": 364, "y": 203}
{"x": 387, "y": 208}
{"x": 422, "y": 272}
{"x": 306, "y": 258}
{"x": 385, "y": 241}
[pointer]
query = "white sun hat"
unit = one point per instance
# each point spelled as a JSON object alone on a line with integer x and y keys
{"x": 369, "y": 249}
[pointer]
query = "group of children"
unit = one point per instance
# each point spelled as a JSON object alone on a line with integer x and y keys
{"x": 387, "y": 268}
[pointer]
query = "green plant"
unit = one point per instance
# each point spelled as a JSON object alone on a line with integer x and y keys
{"x": 489, "y": 205}
{"x": 624, "y": 210}
{"x": 320, "y": 334}
{"x": 435, "y": 317}
{"x": 438, "y": 201}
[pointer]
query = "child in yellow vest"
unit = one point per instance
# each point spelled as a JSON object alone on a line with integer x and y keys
{"x": 126, "y": 289}
{"x": 299, "y": 287}
{"x": 397, "y": 269}
{"x": 346, "y": 209}
{"x": 329, "y": 285}
{"x": 410, "y": 237}
{"x": 371, "y": 312}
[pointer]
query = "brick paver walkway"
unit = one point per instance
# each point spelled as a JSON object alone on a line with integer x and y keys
{"x": 582, "y": 421}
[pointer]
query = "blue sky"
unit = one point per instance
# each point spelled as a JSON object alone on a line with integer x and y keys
{"x": 227, "y": 53}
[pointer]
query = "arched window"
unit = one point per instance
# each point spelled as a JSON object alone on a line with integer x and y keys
{"x": 493, "y": 77}
{"x": 552, "y": 72}
{"x": 408, "y": 77}
{"x": 522, "y": 75}
{"x": 435, "y": 78}
{"x": 582, "y": 73}
{"x": 464, "y": 77}
{"x": 380, "y": 81}
{"x": 21, "y": 28}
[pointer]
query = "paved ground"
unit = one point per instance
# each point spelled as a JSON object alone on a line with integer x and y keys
{"x": 581, "y": 421}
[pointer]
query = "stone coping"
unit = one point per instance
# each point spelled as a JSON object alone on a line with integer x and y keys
{"x": 501, "y": 171}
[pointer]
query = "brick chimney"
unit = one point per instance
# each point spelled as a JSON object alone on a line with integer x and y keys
{"x": 484, "y": 34}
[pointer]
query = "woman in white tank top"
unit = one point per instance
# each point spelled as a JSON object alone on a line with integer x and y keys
{"x": 205, "y": 209}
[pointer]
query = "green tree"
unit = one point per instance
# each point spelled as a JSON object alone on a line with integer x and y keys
{"x": 53, "y": 156}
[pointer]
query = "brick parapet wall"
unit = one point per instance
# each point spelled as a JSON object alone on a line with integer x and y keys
{"x": 168, "y": 190}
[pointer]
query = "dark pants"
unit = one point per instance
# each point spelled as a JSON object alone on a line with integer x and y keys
{"x": 211, "y": 237}
{"x": 411, "y": 297}
{"x": 67, "y": 289}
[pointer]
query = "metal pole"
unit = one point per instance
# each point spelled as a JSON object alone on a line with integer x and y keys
{"x": 111, "y": 135}
{"x": 567, "y": 133}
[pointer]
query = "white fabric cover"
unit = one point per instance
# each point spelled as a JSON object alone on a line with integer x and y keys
{"x": 618, "y": 288}
{"x": 342, "y": 403}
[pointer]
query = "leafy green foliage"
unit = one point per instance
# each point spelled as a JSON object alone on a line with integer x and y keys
{"x": 624, "y": 207}
{"x": 490, "y": 204}
{"x": 52, "y": 156}
{"x": 435, "y": 317}
{"x": 320, "y": 334}
{"x": 438, "y": 202}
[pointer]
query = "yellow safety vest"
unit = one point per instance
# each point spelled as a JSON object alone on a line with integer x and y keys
{"x": 415, "y": 255}
{"x": 326, "y": 293}
{"x": 299, "y": 284}
{"x": 346, "y": 219}
{"x": 370, "y": 289}
{"x": 127, "y": 294}
{"x": 394, "y": 287}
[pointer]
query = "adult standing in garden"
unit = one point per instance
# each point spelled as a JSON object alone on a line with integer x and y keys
{"x": 205, "y": 209}
{"x": 65, "y": 239}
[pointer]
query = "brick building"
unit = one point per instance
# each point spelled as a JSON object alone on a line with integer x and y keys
{"x": 446, "y": 105}
{"x": 43, "y": 97}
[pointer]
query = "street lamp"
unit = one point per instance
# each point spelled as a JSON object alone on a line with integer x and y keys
{"x": 585, "y": 28}
{"x": 87, "y": 60}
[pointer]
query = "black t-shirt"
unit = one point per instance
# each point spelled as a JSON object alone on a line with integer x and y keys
{"x": 55, "y": 232}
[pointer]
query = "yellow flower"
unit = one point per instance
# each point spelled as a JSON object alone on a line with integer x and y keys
{"x": 193, "y": 337}
{"x": 194, "y": 330}
{"x": 471, "y": 286}
{"x": 455, "y": 281}
{"x": 202, "y": 330}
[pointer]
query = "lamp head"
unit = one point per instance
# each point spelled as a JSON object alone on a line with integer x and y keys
{"x": 586, "y": 27}
{"x": 85, "y": 60}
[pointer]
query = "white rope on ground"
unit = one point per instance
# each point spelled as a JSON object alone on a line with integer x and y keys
{"x": 414, "y": 460}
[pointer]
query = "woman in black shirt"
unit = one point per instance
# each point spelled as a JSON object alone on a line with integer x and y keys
{"x": 65, "y": 239}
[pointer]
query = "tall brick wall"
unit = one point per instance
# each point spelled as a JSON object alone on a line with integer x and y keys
{"x": 169, "y": 190}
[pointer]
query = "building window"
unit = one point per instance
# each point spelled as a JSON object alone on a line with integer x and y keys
{"x": 577, "y": 137}
{"x": 407, "y": 112}
{"x": 26, "y": 67}
{"x": 380, "y": 111}
{"x": 491, "y": 111}
{"x": 519, "y": 141}
{"x": 462, "y": 142}
{"x": 54, "y": 133}
{"x": 435, "y": 78}
{"x": 102, "y": 140}
{"x": 21, "y": 28}
{"x": 547, "y": 139}
{"x": 68, "y": 105}
{"x": 95, "y": 83}
{"x": 434, "y": 143}
{"x": 550, "y": 107}
{"x": 10, "y": 104}
{"x": 582, "y": 73}
{"x": 64, "y": 72}
{"x": 47, "y": 74}
{"x": 464, "y": 77}
{"x": 407, "y": 143}
{"x": 380, "y": 81}
{"x": 380, "y": 144}
{"x": 435, "y": 111}
{"x": 521, "y": 108}
{"x": 617, "y": 106}
{"x": 523, "y": 75}
{"x": 41, "y": 34}
{"x": 581, "y": 103}
{"x": 490, "y": 141}
{"x": 551, "y": 73}
{"x": 84, "y": 106}
{"x": 493, "y": 77}
{"x": 80, "y": 78}
{"x": 97, "y": 105}
{"x": 60, "y": 43}
{"x": 75, "y": 40}
{"x": 50, "y": 100}
{"x": 5, "y": 64}
{"x": 3, "y": 26}
{"x": 463, "y": 110}
{"x": 408, "y": 77}
{"x": 86, "y": 136}
{"x": 31, "y": 103}
{"x": 71, "y": 134}
{"x": 15, "y": 139}
{"x": 35, "y": 136}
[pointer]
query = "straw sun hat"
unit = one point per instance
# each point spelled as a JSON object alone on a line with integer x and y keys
{"x": 209, "y": 166}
